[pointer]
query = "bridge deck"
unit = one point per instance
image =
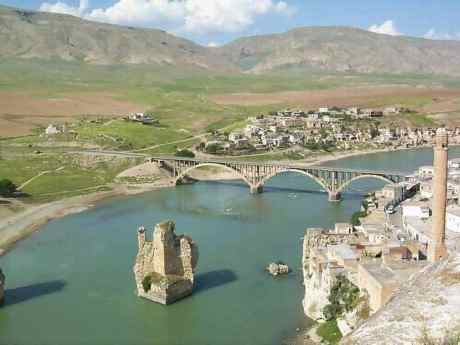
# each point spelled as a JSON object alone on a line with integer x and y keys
{"x": 282, "y": 165}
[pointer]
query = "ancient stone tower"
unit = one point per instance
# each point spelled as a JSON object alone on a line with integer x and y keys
{"x": 164, "y": 266}
{"x": 437, "y": 248}
{"x": 2, "y": 287}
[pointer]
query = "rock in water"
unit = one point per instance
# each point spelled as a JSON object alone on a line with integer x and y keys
{"x": 277, "y": 268}
{"x": 165, "y": 266}
{"x": 2, "y": 286}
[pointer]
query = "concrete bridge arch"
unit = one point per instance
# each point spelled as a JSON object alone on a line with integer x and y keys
{"x": 341, "y": 188}
{"x": 218, "y": 165}
{"x": 317, "y": 179}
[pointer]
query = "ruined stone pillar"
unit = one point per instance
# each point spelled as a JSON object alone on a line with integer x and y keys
{"x": 335, "y": 196}
{"x": 437, "y": 247}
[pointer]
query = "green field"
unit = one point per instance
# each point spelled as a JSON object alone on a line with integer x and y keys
{"x": 179, "y": 98}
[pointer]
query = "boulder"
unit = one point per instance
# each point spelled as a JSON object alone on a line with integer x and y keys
{"x": 277, "y": 268}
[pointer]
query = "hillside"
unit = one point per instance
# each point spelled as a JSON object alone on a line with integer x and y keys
{"x": 27, "y": 34}
{"x": 344, "y": 49}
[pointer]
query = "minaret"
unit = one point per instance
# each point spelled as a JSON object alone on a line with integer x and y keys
{"x": 437, "y": 248}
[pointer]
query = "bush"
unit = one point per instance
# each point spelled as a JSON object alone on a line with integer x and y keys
{"x": 355, "y": 217}
{"x": 185, "y": 153}
{"x": 147, "y": 283}
{"x": 344, "y": 297}
{"x": 213, "y": 148}
{"x": 7, "y": 188}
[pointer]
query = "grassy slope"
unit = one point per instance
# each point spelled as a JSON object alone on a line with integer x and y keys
{"x": 177, "y": 97}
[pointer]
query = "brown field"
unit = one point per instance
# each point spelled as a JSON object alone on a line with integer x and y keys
{"x": 360, "y": 96}
{"x": 19, "y": 113}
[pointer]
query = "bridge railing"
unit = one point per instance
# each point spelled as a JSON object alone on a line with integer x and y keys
{"x": 281, "y": 165}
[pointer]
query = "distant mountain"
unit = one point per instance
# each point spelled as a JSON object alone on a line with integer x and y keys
{"x": 344, "y": 49}
{"x": 28, "y": 34}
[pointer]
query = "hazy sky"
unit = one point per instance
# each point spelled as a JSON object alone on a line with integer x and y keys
{"x": 218, "y": 21}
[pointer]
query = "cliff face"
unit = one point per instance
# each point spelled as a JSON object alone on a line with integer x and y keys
{"x": 429, "y": 303}
{"x": 317, "y": 284}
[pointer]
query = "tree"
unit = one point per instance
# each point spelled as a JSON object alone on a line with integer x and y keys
{"x": 213, "y": 148}
{"x": 185, "y": 153}
{"x": 7, "y": 188}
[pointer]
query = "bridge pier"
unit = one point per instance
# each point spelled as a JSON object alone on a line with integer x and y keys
{"x": 335, "y": 196}
{"x": 257, "y": 189}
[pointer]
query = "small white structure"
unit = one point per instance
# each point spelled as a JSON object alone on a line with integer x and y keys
{"x": 426, "y": 171}
{"x": 453, "y": 218}
{"x": 343, "y": 228}
{"x": 52, "y": 129}
{"x": 417, "y": 211}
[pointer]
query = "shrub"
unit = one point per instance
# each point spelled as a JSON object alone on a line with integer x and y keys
{"x": 355, "y": 217}
{"x": 185, "y": 153}
{"x": 147, "y": 283}
{"x": 344, "y": 297}
{"x": 213, "y": 148}
{"x": 7, "y": 188}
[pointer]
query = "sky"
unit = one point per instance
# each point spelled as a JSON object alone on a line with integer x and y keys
{"x": 215, "y": 22}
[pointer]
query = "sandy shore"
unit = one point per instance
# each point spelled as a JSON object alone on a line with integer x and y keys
{"x": 20, "y": 225}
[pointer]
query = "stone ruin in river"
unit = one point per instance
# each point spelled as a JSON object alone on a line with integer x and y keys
{"x": 2, "y": 286}
{"x": 165, "y": 266}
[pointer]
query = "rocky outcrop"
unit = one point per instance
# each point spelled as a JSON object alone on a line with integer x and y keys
{"x": 425, "y": 307}
{"x": 164, "y": 268}
{"x": 2, "y": 286}
{"x": 319, "y": 277}
{"x": 277, "y": 268}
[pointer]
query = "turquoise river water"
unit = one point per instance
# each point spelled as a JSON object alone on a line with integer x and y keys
{"x": 72, "y": 282}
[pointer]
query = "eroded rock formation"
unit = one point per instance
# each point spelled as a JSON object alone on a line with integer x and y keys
{"x": 2, "y": 286}
{"x": 277, "y": 268}
{"x": 319, "y": 275}
{"x": 165, "y": 266}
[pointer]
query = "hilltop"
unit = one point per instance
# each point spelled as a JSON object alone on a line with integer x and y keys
{"x": 29, "y": 34}
{"x": 344, "y": 49}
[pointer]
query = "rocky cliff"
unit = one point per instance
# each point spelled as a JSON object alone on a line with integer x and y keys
{"x": 426, "y": 307}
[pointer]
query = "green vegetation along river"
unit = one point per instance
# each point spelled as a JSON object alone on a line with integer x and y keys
{"x": 72, "y": 282}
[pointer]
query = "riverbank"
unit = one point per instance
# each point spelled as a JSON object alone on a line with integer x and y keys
{"x": 32, "y": 217}
{"x": 20, "y": 225}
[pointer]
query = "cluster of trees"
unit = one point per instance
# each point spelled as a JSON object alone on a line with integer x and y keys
{"x": 359, "y": 214}
{"x": 344, "y": 297}
{"x": 185, "y": 153}
{"x": 7, "y": 188}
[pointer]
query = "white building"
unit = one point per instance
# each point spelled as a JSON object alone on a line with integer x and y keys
{"x": 426, "y": 171}
{"x": 51, "y": 130}
{"x": 453, "y": 218}
{"x": 421, "y": 211}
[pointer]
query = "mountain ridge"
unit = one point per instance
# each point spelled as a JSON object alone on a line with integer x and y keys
{"x": 31, "y": 34}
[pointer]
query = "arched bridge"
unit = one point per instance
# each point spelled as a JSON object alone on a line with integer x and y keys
{"x": 255, "y": 174}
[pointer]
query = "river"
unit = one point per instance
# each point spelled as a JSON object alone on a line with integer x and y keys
{"x": 72, "y": 282}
